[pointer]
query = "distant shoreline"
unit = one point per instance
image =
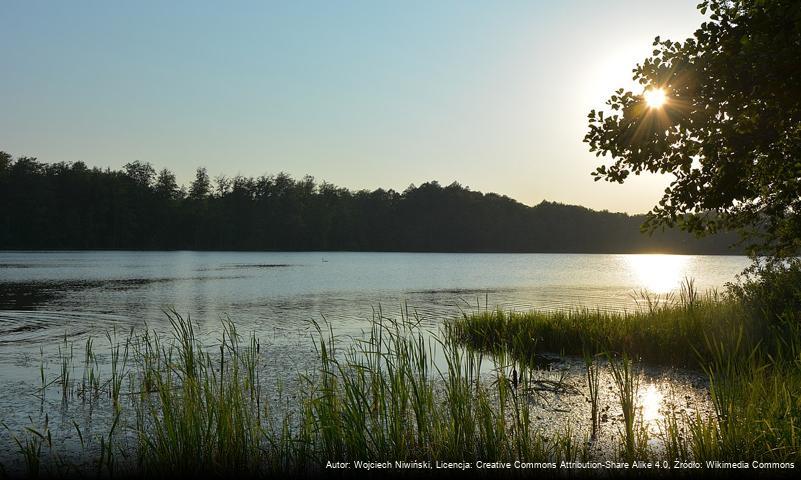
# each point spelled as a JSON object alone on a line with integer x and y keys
{"x": 120, "y": 250}
{"x": 69, "y": 206}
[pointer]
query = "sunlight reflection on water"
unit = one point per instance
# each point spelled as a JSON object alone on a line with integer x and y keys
{"x": 658, "y": 273}
{"x": 651, "y": 402}
{"x": 47, "y": 296}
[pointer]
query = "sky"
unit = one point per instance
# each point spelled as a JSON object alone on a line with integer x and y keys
{"x": 362, "y": 94}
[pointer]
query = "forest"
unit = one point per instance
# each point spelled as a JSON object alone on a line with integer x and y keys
{"x": 68, "y": 205}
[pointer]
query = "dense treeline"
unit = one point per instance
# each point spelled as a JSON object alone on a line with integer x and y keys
{"x": 72, "y": 206}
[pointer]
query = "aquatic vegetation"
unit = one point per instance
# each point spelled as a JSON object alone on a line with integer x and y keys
{"x": 626, "y": 382}
{"x": 181, "y": 406}
{"x": 664, "y": 330}
{"x": 192, "y": 407}
{"x": 752, "y": 363}
{"x": 593, "y": 384}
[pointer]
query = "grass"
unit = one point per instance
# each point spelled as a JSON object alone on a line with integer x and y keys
{"x": 593, "y": 386}
{"x": 626, "y": 381}
{"x": 194, "y": 408}
{"x": 753, "y": 365}
{"x": 665, "y": 331}
{"x": 199, "y": 409}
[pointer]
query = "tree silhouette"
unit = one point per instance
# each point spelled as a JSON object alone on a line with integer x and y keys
{"x": 68, "y": 205}
{"x": 141, "y": 173}
{"x": 166, "y": 185}
{"x": 730, "y": 130}
{"x": 201, "y": 187}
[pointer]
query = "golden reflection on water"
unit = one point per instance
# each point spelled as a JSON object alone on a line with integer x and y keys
{"x": 651, "y": 402}
{"x": 658, "y": 273}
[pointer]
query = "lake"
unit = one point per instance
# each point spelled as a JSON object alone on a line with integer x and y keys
{"x": 44, "y": 294}
{"x": 47, "y": 296}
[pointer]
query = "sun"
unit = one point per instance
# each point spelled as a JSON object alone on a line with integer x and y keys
{"x": 655, "y": 97}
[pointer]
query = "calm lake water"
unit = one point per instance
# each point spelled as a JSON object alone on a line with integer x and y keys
{"x": 45, "y": 296}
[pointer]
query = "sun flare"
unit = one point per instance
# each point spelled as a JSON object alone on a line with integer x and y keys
{"x": 655, "y": 97}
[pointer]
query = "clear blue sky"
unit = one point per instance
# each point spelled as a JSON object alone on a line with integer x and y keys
{"x": 364, "y": 94}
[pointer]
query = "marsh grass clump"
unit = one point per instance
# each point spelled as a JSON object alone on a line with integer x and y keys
{"x": 195, "y": 411}
{"x": 30, "y": 444}
{"x": 182, "y": 406}
{"x": 664, "y": 331}
{"x": 749, "y": 353}
{"x": 384, "y": 397}
{"x": 627, "y": 383}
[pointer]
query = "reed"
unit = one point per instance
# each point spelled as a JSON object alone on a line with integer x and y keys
{"x": 201, "y": 408}
{"x": 90, "y": 382}
{"x": 379, "y": 399}
{"x": 119, "y": 362}
{"x": 65, "y": 354}
{"x": 29, "y": 446}
{"x": 593, "y": 385}
{"x": 626, "y": 382}
{"x": 663, "y": 332}
{"x": 195, "y": 407}
{"x": 752, "y": 363}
